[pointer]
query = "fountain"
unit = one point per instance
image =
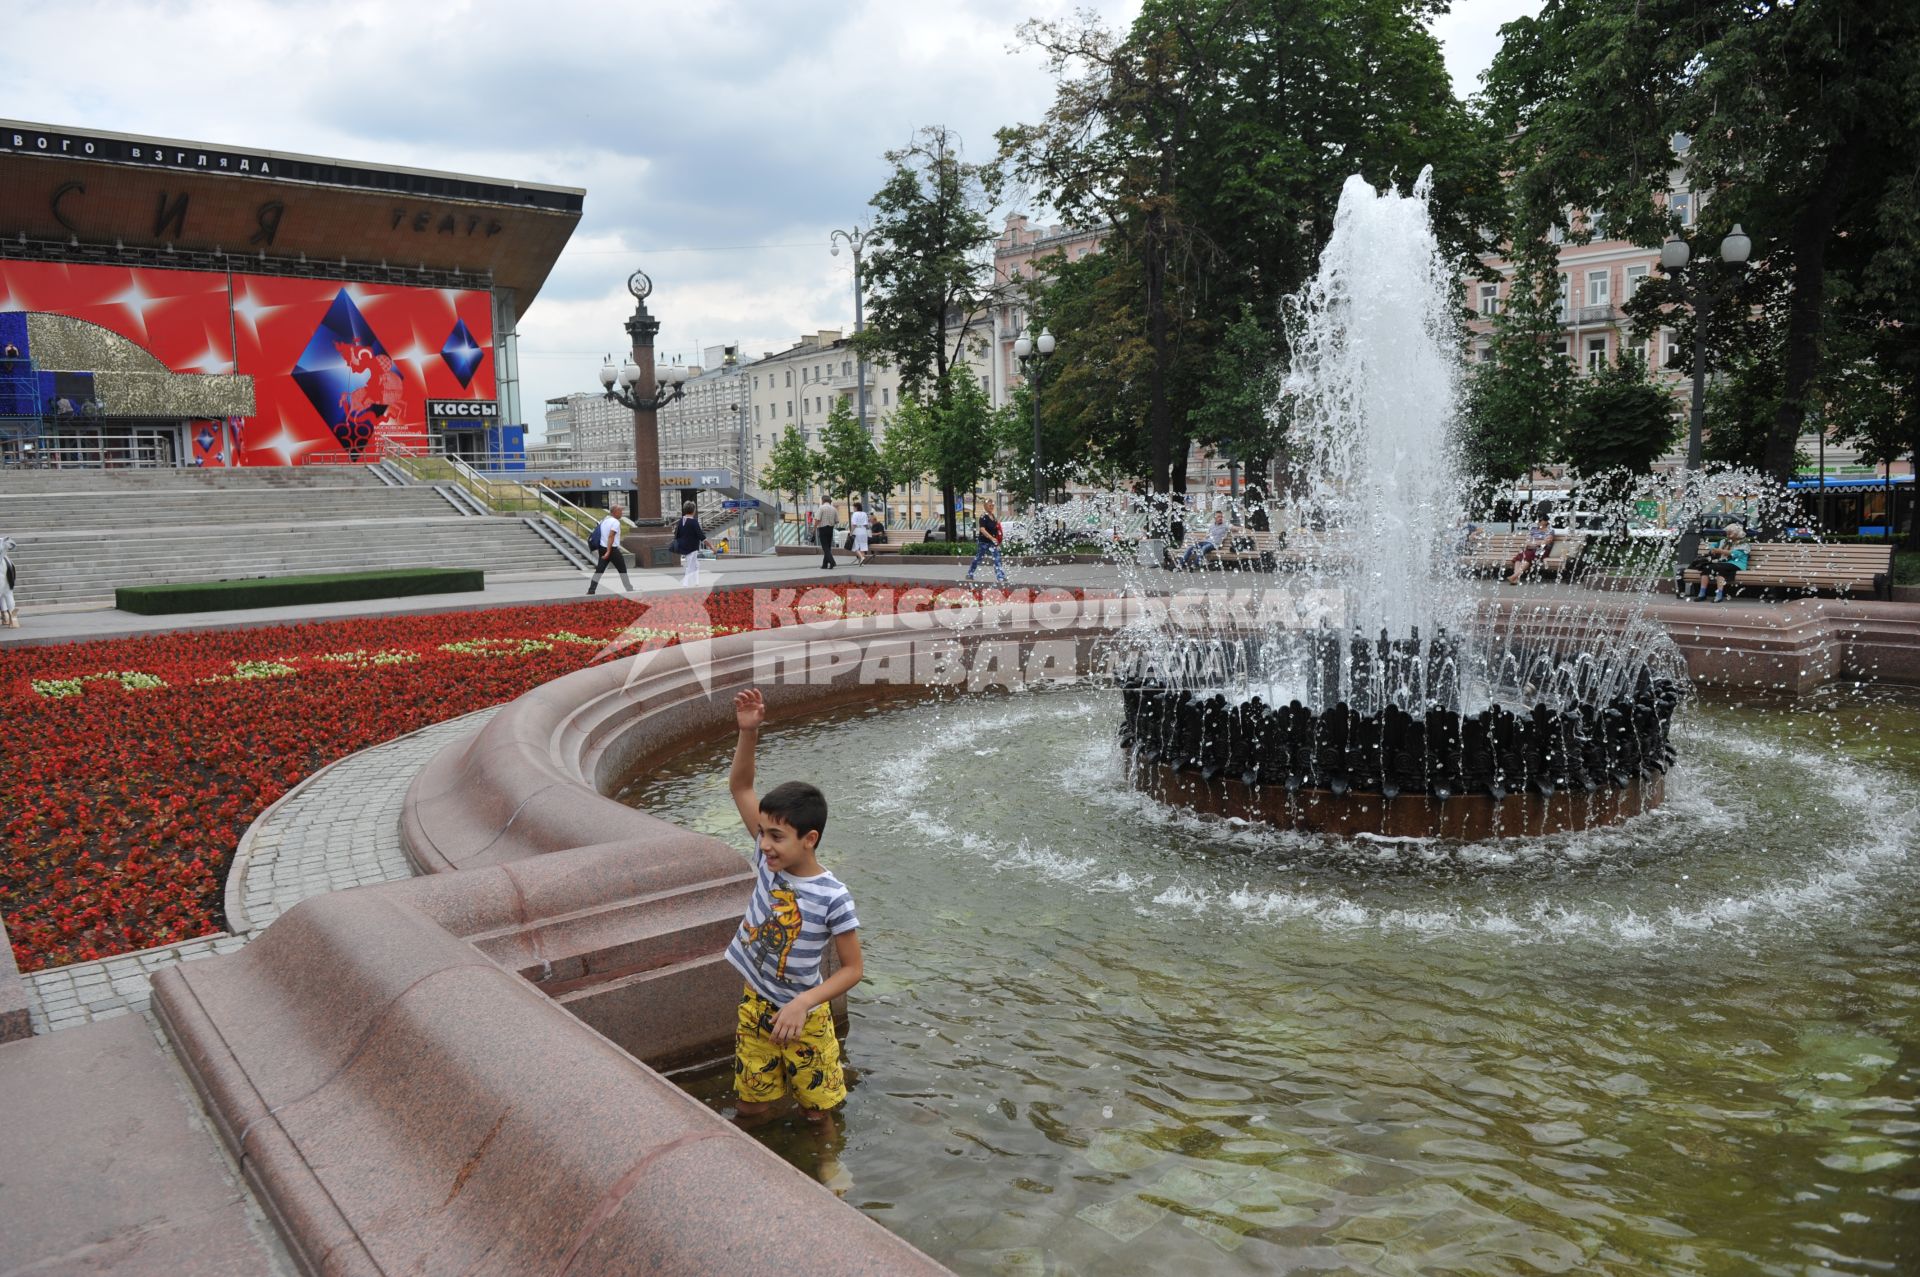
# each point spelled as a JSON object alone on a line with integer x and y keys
{"x": 1417, "y": 713}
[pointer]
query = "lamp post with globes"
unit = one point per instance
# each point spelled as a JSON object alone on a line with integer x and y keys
{"x": 856, "y": 242}
{"x": 1703, "y": 292}
{"x": 1032, "y": 352}
{"x": 644, "y": 388}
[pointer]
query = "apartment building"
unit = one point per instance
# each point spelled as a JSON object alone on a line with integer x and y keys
{"x": 1597, "y": 279}
{"x": 800, "y": 385}
{"x": 595, "y": 426}
{"x": 704, "y": 429}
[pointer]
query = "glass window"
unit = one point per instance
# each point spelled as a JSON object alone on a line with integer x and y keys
{"x": 1635, "y": 276}
{"x": 1566, "y": 291}
{"x": 1599, "y": 287}
{"x": 1637, "y": 347}
{"x": 1486, "y": 354}
{"x": 756, "y": 414}
{"x": 1681, "y": 204}
{"x": 846, "y": 367}
{"x": 1560, "y": 348}
{"x": 789, "y": 407}
{"x": 1670, "y": 342}
{"x": 1597, "y": 224}
{"x": 884, "y": 392}
{"x": 1489, "y": 299}
{"x": 789, "y": 378}
{"x": 1596, "y": 353}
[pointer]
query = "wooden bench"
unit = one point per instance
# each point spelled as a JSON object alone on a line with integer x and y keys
{"x": 1808, "y": 567}
{"x": 1245, "y": 548}
{"x": 1494, "y": 551}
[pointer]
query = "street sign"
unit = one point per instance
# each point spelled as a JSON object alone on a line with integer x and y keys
{"x": 744, "y": 503}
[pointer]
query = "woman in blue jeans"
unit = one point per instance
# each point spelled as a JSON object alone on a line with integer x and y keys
{"x": 987, "y": 535}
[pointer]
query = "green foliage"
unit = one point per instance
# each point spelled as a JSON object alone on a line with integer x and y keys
{"x": 791, "y": 465}
{"x": 1238, "y": 407}
{"x": 1517, "y": 403}
{"x": 929, "y": 266}
{"x": 848, "y": 462}
{"x": 1212, "y": 138}
{"x": 952, "y": 436}
{"x": 1798, "y": 124}
{"x": 1621, "y": 422}
{"x": 291, "y": 591}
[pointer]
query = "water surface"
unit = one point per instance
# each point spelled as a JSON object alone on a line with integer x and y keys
{"x": 1102, "y": 1036}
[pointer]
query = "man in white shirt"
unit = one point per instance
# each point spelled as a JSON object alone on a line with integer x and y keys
{"x": 826, "y": 522}
{"x": 607, "y": 537}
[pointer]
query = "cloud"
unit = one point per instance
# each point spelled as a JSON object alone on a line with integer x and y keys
{"x": 743, "y": 129}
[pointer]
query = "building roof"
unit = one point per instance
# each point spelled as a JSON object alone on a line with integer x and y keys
{"x": 86, "y": 195}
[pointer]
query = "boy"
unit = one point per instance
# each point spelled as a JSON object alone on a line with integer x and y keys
{"x": 785, "y": 1040}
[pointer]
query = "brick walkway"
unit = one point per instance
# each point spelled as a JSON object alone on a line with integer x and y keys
{"x": 338, "y": 828}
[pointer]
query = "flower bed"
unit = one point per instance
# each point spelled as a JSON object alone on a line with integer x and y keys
{"x": 131, "y": 767}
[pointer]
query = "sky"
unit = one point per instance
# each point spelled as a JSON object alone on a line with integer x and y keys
{"x": 719, "y": 143}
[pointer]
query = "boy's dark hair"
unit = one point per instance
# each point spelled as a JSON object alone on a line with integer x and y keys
{"x": 798, "y": 804}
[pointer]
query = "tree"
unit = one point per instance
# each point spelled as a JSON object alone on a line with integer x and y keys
{"x": 1621, "y": 422}
{"x": 791, "y": 465}
{"x": 848, "y": 462}
{"x": 1238, "y": 407}
{"x": 1213, "y": 138}
{"x": 906, "y": 449}
{"x": 1792, "y": 119}
{"x": 962, "y": 438}
{"x": 1517, "y": 401}
{"x": 929, "y": 265}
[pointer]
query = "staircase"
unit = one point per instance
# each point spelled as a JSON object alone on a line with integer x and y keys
{"x": 82, "y": 534}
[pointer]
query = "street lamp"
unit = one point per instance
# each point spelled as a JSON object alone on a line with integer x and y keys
{"x": 1032, "y": 352}
{"x": 856, "y": 242}
{"x": 1703, "y": 293}
{"x": 644, "y": 389}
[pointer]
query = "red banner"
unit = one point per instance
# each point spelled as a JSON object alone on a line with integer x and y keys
{"x": 339, "y": 369}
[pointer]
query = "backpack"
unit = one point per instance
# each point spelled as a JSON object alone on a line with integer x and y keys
{"x": 593, "y": 538}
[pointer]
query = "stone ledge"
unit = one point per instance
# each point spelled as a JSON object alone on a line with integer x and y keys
{"x": 15, "y": 1020}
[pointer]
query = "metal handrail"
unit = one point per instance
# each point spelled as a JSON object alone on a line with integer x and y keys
{"x": 98, "y": 456}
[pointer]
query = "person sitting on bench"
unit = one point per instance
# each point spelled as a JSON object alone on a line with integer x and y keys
{"x": 1539, "y": 546}
{"x": 1217, "y": 533}
{"x": 1725, "y": 559}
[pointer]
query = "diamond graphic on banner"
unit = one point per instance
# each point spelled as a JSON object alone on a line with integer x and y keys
{"x": 204, "y": 439}
{"x": 462, "y": 353}
{"x": 349, "y": 378}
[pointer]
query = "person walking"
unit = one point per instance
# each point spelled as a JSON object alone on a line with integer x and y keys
{"x": 9, "y": 609}
{"x": 606, "y": 543}
{"x": 862, "y": 526}
{"x": 826, "y": 520}
{"x": 987, "y": 536}
{"x": 687, "y": 542}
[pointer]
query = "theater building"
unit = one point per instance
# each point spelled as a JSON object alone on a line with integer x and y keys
{"x": 178, "y": 303}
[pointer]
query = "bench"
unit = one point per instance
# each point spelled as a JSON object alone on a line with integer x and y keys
{"x": 1809, "y": 567}
{"x": 1245, "y": 548}
{"x": 1493, "y": 551}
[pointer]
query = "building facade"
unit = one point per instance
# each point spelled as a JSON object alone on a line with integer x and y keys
{"x": 799, "y": 387}
{"x": 702, "y": 430}
{"x": 181, "y": 303}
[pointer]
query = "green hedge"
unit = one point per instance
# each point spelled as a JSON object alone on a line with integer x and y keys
{"x": 289, "y": 591}
{"x": 938, "y": 547}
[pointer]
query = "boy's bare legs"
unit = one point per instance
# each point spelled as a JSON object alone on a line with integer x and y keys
{"x": 747, "y": 1114}
{"x": 833, "y": 1175}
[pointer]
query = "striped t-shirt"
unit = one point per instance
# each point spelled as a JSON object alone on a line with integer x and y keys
{"x": 784, "y": 931}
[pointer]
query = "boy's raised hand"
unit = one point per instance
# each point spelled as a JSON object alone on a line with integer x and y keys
{"x": 749, "y": 709}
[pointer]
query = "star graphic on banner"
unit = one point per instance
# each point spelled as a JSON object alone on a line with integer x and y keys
{"x": 134, "y": 300}
{"x": 289, "y": 445}
{"x": 248, "y": 310}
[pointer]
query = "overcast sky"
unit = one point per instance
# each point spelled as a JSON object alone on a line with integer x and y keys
{"x": 719, "y": 143}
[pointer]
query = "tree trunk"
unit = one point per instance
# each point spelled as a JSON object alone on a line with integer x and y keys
{"x": 952, "y": 525}
{"x": 1812, "y": 231}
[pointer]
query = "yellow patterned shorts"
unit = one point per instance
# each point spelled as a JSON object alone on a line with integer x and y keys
{"x": 809, "y": 1066}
